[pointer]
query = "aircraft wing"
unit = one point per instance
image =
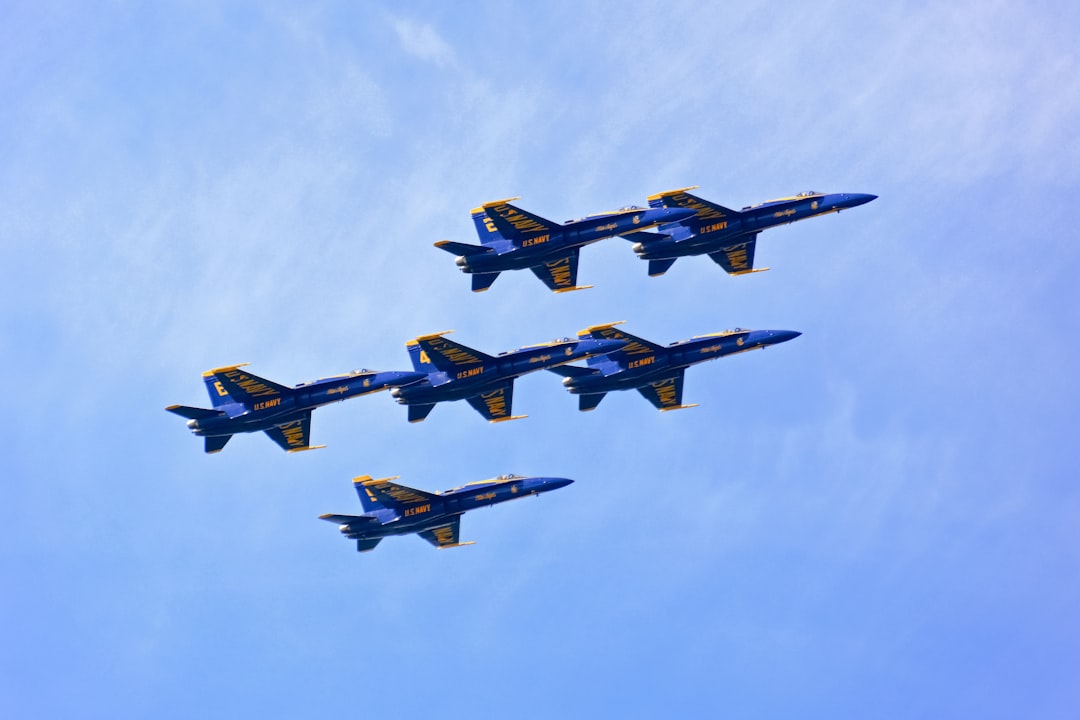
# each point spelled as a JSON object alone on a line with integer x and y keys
{"x": 665, "y": 394}
{"x": 705, "y": 209}
{"x": 241, "y": 385}
{"x": 391, "y": 494}
{"x": 445, "y": 536}
{"x": 559, "y": 275}
{"x": 737, "y": 259}
{"x": 515, "y": 224}
{"x": 495, "y": 404}
{"x": 449, "y": 356}
{"x": 634, "y": 344}
{"x": 293, "y": 436}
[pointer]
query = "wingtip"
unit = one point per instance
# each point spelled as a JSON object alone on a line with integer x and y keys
{"x": 432, "y": 336}
{"x": 591, "y": 328}
{"x": 507, "y": 419}
{"x": 305, "y": 448}
{"x": 571, "y": 289}
{"x": 224, "y": 368}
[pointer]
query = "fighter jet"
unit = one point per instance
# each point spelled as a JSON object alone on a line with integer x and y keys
{"x": 653, "y": 370}
{"x": 456, "y": 372}
{"x": 393, "y": 509}
{"x": 727, "y": 236}
{"x": 515, "y": 239}
{"x": 244, "y": 402}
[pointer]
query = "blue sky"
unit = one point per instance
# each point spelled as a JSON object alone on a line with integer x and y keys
{"x": 879, "y": 518}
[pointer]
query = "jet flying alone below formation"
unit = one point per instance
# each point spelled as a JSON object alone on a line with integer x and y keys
{"x": 727, "y": 236}
{"x": 394, "y": 509}
{"x": 655, "y": 371}
{"x": 452, "y": 371}
{"x": 243, "y": 402}
{"x": 515, "y": 239}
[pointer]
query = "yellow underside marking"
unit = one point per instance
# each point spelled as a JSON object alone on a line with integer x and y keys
{"x": 504, "y": 419}
{"x": 679, "y": 407}
{"x": 572, "y": 289}
{"x": 747, "y": 272}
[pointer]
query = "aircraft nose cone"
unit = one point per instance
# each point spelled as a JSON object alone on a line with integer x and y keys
{"x": 857, "y": 199}
{"x": 546, "y": 484}
{"x": 779, "y": 336}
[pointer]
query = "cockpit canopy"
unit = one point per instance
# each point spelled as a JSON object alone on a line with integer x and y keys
{"x": 809, "y": 193}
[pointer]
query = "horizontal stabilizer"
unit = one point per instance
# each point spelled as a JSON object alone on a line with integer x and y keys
{"x": 417, "y": 413}
{"x": 449, "y": 356}
{"x": 216, "y": 443}
{"x": 659, "y": 267}
{"x": 589, "y": 402}
{"x": 367, "y": 545}
{"x": 482, "y": 281}
{"x": 572, "y": 371}
{"x": 457, "y": 248}
{"x": 193, "y": 413}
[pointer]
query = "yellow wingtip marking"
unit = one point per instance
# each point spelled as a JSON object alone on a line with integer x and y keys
{"x": 378, "y": 481}
{"x": 747, "y": 272}
{"x": 432, "y": 336}
{"x": 226, "y": 368}
{"x": 461, "y": 544}
{"x": 172, "y": 407}
{"x": 586, "y": 331}
{"x": 303, "y": 449}
{"x": 504, "y": 419}
{"x": 441, "y": 243}
{"x": 326, "y": 515}
{"x": 659, "y": 195}
{"x": 361, "y": 479}
{"x": 572, "y": 289}
{"x": 492, "y": 203}
{"x": 679, "y": 407}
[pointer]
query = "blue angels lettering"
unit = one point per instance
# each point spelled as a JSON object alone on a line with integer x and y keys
{"x": 394, "y": 509}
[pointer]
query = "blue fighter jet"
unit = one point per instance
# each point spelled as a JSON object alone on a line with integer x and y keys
{"x": 247, "y": 403}
{"x": 456, "y": 372}
{"x": 393, "y": 509}
{"x": 653, "y": 370}
{"x": 515, "y": 239}
{"x": 727, "y": 236}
